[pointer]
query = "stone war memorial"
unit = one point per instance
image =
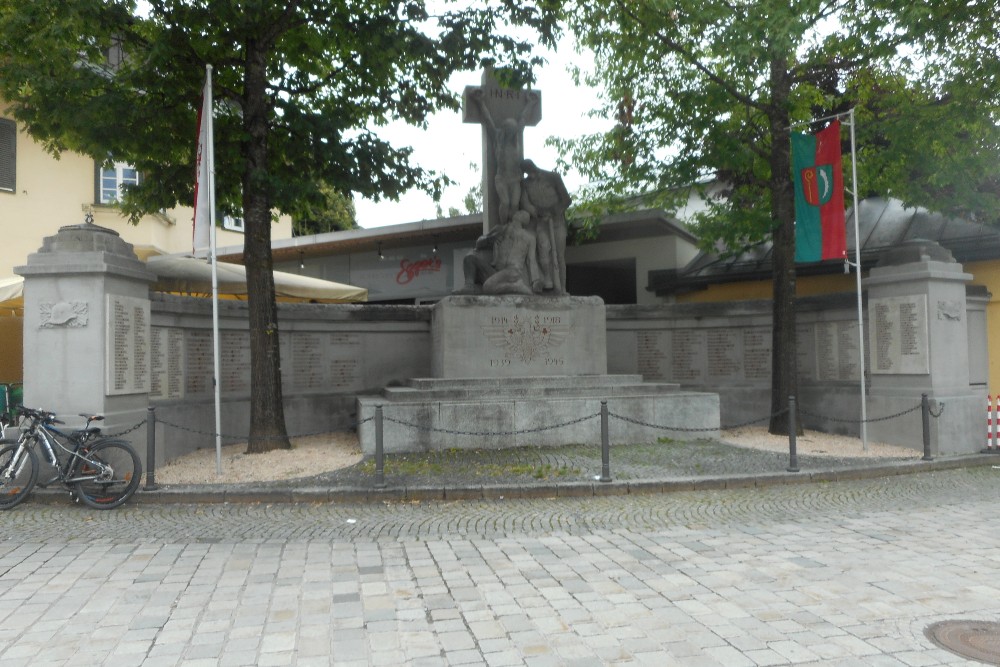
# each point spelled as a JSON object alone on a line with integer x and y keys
{"x": 509, "y": 358}
{"x": 515, "y": 359}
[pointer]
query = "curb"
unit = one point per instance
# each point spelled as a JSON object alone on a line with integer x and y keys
{"x": 248, "y": 494}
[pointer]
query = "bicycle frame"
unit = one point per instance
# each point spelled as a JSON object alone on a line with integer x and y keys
{"x": 49, "y": 438}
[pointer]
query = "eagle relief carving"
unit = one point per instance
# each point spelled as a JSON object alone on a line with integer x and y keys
{"x": 527, "y": 338}
{"x": 70, "y": 314}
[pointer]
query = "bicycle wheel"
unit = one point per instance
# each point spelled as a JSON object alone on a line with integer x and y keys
{"x": 17, "y": 473}
{"x": 114, "y": 470}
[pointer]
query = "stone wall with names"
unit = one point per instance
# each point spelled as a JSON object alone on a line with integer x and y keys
{"x": 182, "y": 363}
{"x": 128, "y": 339}
{"x": 167, "y": 363}
{"x": 198, "y": 363}
{"x": 234, "y": 361}
{"x": 322, "y": 361}
{"x": 827, "y": 351}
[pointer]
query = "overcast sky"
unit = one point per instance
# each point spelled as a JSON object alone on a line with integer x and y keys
{"x": 449, "y": 146}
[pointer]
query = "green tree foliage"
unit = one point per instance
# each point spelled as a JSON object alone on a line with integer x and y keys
{"x": 335, "y": 214}
{"x": 297, "y": 84}
{"x": 708, "y": 91}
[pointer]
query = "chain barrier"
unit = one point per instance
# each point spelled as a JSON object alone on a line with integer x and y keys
{"x": 244, "y": 438}
{"x": 661, "y": 427}
{"x": 433, "y": 429}
{"x": 125, "y": 432}
{"x": 870, "y": 421}
{"x": 540, "y": 429}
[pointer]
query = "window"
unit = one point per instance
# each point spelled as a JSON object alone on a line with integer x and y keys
{"x": 8, "y": 155}
{"x": 232, "y": 223}
{"x": 110, "y": 181}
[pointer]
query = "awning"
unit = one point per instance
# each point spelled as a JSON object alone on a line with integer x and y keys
{"x": 193, "y": 276}
{"x": 11, "y": 296}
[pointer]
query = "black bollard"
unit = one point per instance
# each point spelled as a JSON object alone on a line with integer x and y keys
{"x": 605, "y": 445}
{"x": 379, "y": 450}
{"x": 925, "y": 415}
{"x": 793, "y": 457}
{"x": 151, "y": 484}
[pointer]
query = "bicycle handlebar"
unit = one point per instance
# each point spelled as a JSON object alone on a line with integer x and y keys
{"x": 43, "y": 416}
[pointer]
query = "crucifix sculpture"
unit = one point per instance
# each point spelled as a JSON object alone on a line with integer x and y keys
{"x": 503, "y": 114}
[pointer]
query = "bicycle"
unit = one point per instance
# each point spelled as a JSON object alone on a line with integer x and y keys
{"x": 102, "y": 473}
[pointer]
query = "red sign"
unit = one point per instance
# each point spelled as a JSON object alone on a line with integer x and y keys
{"x": 409, "y": 271}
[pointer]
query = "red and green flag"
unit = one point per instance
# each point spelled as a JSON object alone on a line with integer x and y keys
{"x": 820, "y": 227}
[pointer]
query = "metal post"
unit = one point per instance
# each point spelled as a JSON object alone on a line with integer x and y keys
{"x": 793, "y": 457}
{"x": 605, "y": 445}
{"x": 151, "y": 484}
{"x": 379, "y": 450}
{"x": 925, "y": 414}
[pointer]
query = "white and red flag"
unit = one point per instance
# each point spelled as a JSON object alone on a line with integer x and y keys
{"x": 204, "y": 213}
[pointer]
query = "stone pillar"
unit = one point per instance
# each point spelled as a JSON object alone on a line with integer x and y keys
{"x": 918, "y": 342}
{"x": 86, "y": 329}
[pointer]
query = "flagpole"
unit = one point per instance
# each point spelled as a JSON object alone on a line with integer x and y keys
{"x": 216, "y": 354}
{"x": 857, "y": 273}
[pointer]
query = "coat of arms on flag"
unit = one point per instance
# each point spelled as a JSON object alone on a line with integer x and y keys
{"x": 820, "y": 226}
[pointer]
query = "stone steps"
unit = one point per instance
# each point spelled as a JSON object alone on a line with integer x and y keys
{"x": 477, "y": 389}
{"x": 431, "y": 413}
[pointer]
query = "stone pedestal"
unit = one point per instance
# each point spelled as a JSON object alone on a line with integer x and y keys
{"x": 87, "y": 329}
{"x": 518, "y": 336}
{"x": 433, "y": 414}
{"x": 919, "y": 342}
{"x": 511, "y": 371}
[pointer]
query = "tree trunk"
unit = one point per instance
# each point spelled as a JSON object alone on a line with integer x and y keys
{"x": 784, "y": 381}
{"x": 267, "y": 415}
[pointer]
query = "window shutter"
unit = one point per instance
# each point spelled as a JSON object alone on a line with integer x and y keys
{"x": 8, "y": 155}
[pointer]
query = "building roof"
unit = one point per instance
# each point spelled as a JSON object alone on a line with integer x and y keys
{"x": 645, "y": 223}
{"x": 883, "y": 223}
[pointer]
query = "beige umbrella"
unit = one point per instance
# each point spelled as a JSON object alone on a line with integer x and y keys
{"x": 190, "y": 275}
{"x": 11, "y": 295}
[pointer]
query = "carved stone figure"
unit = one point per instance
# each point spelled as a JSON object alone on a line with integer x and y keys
{"x": 516, "y": 260}
{"x": 478, "y": 264}
{"x": 544, "y": 196}
{"x": 508, "y": 138}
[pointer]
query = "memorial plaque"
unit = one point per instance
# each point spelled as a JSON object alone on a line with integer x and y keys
{"x": 128, "y": 341}
{"x": 757, "y": 353}
{"x": 652, "y": 352}
{"x": 848, "y": 351}
{"x": 805, "y": 341}
{"x": 198, "y": 363}
{"x": 722, "y": 355}
{"x": 175, "y": 363}
{"x": 166, "y": 352}
{"x": 827, "y": 367}
{"x": 345, "y": 373}
{"x": 344, "y": 353}
{"x": 308, "y": 369}
{"x": 688, "y": 356}
{"x": 898, "y": 335}
{"x": 234, "y": 361}
{"x": 518, "y": 336}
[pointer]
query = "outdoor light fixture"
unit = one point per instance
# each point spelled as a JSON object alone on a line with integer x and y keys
{"x": 302, "y": 260}
{"x": 380, "y": 255}
{"x": 435, "y": 248}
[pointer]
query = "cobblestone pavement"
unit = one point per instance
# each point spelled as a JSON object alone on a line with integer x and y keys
{"x": 841, "y": 573}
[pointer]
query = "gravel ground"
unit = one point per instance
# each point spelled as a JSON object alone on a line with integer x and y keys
{"x": 336, "y": 457}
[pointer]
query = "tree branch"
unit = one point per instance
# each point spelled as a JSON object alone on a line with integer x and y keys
{"x": 678, "y": 49}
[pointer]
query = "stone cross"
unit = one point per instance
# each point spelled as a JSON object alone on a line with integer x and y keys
{"x": 503, "y": 114}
